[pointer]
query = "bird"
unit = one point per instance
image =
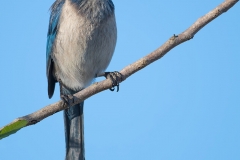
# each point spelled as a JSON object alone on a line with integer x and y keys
{"x": 81, "y": 40}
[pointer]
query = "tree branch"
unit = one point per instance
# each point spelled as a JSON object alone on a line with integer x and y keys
{"x": 126, "y": 72}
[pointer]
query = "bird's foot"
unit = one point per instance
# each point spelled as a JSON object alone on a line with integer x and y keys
{"x": 116, "y": 77}
{"x": 68, "y": 99}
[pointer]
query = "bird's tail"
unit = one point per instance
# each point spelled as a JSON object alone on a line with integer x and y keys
{"x": 74, "y": 132}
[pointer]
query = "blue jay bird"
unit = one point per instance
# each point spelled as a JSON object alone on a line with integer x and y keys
{"x": 80, "y": 43}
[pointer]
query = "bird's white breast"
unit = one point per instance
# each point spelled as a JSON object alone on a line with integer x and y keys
{"x": 83, "y": 47}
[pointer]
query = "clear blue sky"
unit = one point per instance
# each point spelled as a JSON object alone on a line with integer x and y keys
{"x": 186, "y": 106}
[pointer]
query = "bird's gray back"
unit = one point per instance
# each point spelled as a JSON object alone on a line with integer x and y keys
{"x": 85, "y": 41}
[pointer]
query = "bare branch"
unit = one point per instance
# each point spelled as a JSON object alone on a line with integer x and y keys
{"x": 132, "y": 68}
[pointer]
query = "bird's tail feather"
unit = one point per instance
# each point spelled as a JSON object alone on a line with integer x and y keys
{"x": 74, "y": 132}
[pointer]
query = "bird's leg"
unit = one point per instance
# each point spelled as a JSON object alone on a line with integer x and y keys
{"x": 116, "y": 77}
{"x": 67, "y": 98}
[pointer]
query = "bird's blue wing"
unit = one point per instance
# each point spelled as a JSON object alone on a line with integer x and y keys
{"x": 51, "y": 36}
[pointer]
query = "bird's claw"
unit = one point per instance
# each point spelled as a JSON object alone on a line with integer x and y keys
{"x": 116, "y": 77}
{"x": 68, "y": 99}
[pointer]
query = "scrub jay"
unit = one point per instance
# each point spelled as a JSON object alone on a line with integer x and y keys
{"x": 80, "y": 43}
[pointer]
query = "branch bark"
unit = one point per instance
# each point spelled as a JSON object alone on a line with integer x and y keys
{"x": 132, "y": 68}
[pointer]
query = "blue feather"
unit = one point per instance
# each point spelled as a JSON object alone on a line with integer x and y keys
{"x": 52, "y": 29}
{"x": 51, "y": 36}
